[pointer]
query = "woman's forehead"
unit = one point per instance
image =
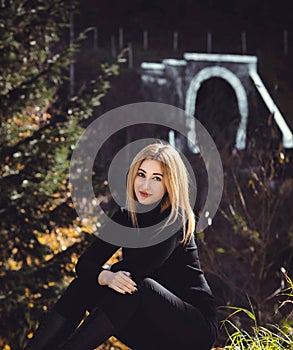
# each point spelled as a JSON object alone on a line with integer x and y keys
{"x": 151, "y": 165}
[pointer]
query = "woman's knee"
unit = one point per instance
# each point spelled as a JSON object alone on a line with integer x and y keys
{"x": 148, "y": 283}
{"x": 73, "y": 290}
{"x": 71, "y": 304}
{"x": 79, "y": 295}
{"x": 151, "y": 287}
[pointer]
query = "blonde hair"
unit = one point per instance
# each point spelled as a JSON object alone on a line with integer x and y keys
{"x": 176, "y": 179}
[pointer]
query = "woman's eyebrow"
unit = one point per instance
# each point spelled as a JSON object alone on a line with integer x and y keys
{"x": 153, "y": 173}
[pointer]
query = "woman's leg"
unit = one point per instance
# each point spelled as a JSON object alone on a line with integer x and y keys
{"x": 172, "y": 318}
{"x": 164, "y": 321}
{"x": 141, "y": 334}
{"x": 178, "y": 320}
{"x": 50, "y": 328}
{"x": 110, "y": 313}
{"x": 63, "y": 319}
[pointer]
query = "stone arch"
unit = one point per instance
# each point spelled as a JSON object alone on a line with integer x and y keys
{"x": 234, "y": 81}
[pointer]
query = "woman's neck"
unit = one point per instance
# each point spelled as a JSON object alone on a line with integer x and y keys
{"x": 150, "y": 214}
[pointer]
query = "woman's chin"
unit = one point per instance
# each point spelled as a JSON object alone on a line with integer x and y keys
{"x": 145, "y": 201}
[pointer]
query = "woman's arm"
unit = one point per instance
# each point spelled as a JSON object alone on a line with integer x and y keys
{"x": 89, "y": 268}
{"x": 90, "y": 263}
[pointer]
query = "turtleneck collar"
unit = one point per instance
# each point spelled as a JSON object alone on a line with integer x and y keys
{"x": 148, "y": 215}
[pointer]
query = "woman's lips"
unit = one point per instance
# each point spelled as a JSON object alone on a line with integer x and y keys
{"x": 144, "y": 194}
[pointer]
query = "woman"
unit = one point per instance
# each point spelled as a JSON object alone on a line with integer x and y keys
{"x": 156, "y": 297}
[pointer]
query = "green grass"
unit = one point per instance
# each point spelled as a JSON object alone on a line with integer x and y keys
{"x": 258, "y": 337}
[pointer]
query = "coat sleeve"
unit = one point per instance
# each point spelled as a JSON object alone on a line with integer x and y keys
{"x": 140, "y": 262}
{"x": 90, "y": 263}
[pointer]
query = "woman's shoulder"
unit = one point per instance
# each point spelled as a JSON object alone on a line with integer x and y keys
{"x": 120, "y": 216}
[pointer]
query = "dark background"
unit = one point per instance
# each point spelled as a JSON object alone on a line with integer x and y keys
{"x": 264, "y": 23}
{"x": 190, "y": 18}
{"x": 185, "y": 15}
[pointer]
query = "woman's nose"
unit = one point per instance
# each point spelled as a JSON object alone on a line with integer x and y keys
{"x": 146, "y": 184}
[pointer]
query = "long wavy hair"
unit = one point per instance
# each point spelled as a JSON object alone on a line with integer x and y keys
{"x": 177, "y": 182}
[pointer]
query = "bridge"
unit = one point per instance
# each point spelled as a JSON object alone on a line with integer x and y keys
{"x": 185, "y": 77}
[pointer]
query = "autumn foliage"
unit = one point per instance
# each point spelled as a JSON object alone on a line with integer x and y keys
{"x": 41, "y": 236}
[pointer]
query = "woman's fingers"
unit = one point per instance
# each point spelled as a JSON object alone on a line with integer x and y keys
{"x": 126, "y": 283}
{"x": 127, "y": 279}
{"x": 121, "y": 288}
{"x": 122, "y": 283}
{"x": 125, "y": 288}
{"x": 117, "y": 289}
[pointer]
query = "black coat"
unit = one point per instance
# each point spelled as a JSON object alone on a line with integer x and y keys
{"x": 171, "y": 263}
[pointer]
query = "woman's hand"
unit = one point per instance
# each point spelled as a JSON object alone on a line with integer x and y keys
{"x": 120, "y": 281}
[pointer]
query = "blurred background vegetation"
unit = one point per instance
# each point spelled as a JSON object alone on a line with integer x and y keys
{"x": 41, "y": 236}
{"x": 246, "y": 253}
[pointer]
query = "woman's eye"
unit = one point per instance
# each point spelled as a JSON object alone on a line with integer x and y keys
{"x": 140, "y": 174}
{"x": 157, "y": 178}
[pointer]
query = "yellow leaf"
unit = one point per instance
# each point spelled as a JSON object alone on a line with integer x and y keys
{"x": 87, "y": 230}
{"x": 29, "y": 260}
{"x": 42, "y": 239}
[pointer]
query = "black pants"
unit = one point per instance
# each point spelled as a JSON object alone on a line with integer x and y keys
{"x": 151, "y": 318}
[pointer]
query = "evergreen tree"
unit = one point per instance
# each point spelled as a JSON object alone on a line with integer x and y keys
{"x": 40, "y": 233}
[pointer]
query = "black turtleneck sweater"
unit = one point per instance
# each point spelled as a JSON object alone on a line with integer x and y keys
{"x": 171, "y": 263}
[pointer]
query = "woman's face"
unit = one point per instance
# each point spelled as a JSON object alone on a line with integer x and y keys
{"x": 149, "y": 184}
